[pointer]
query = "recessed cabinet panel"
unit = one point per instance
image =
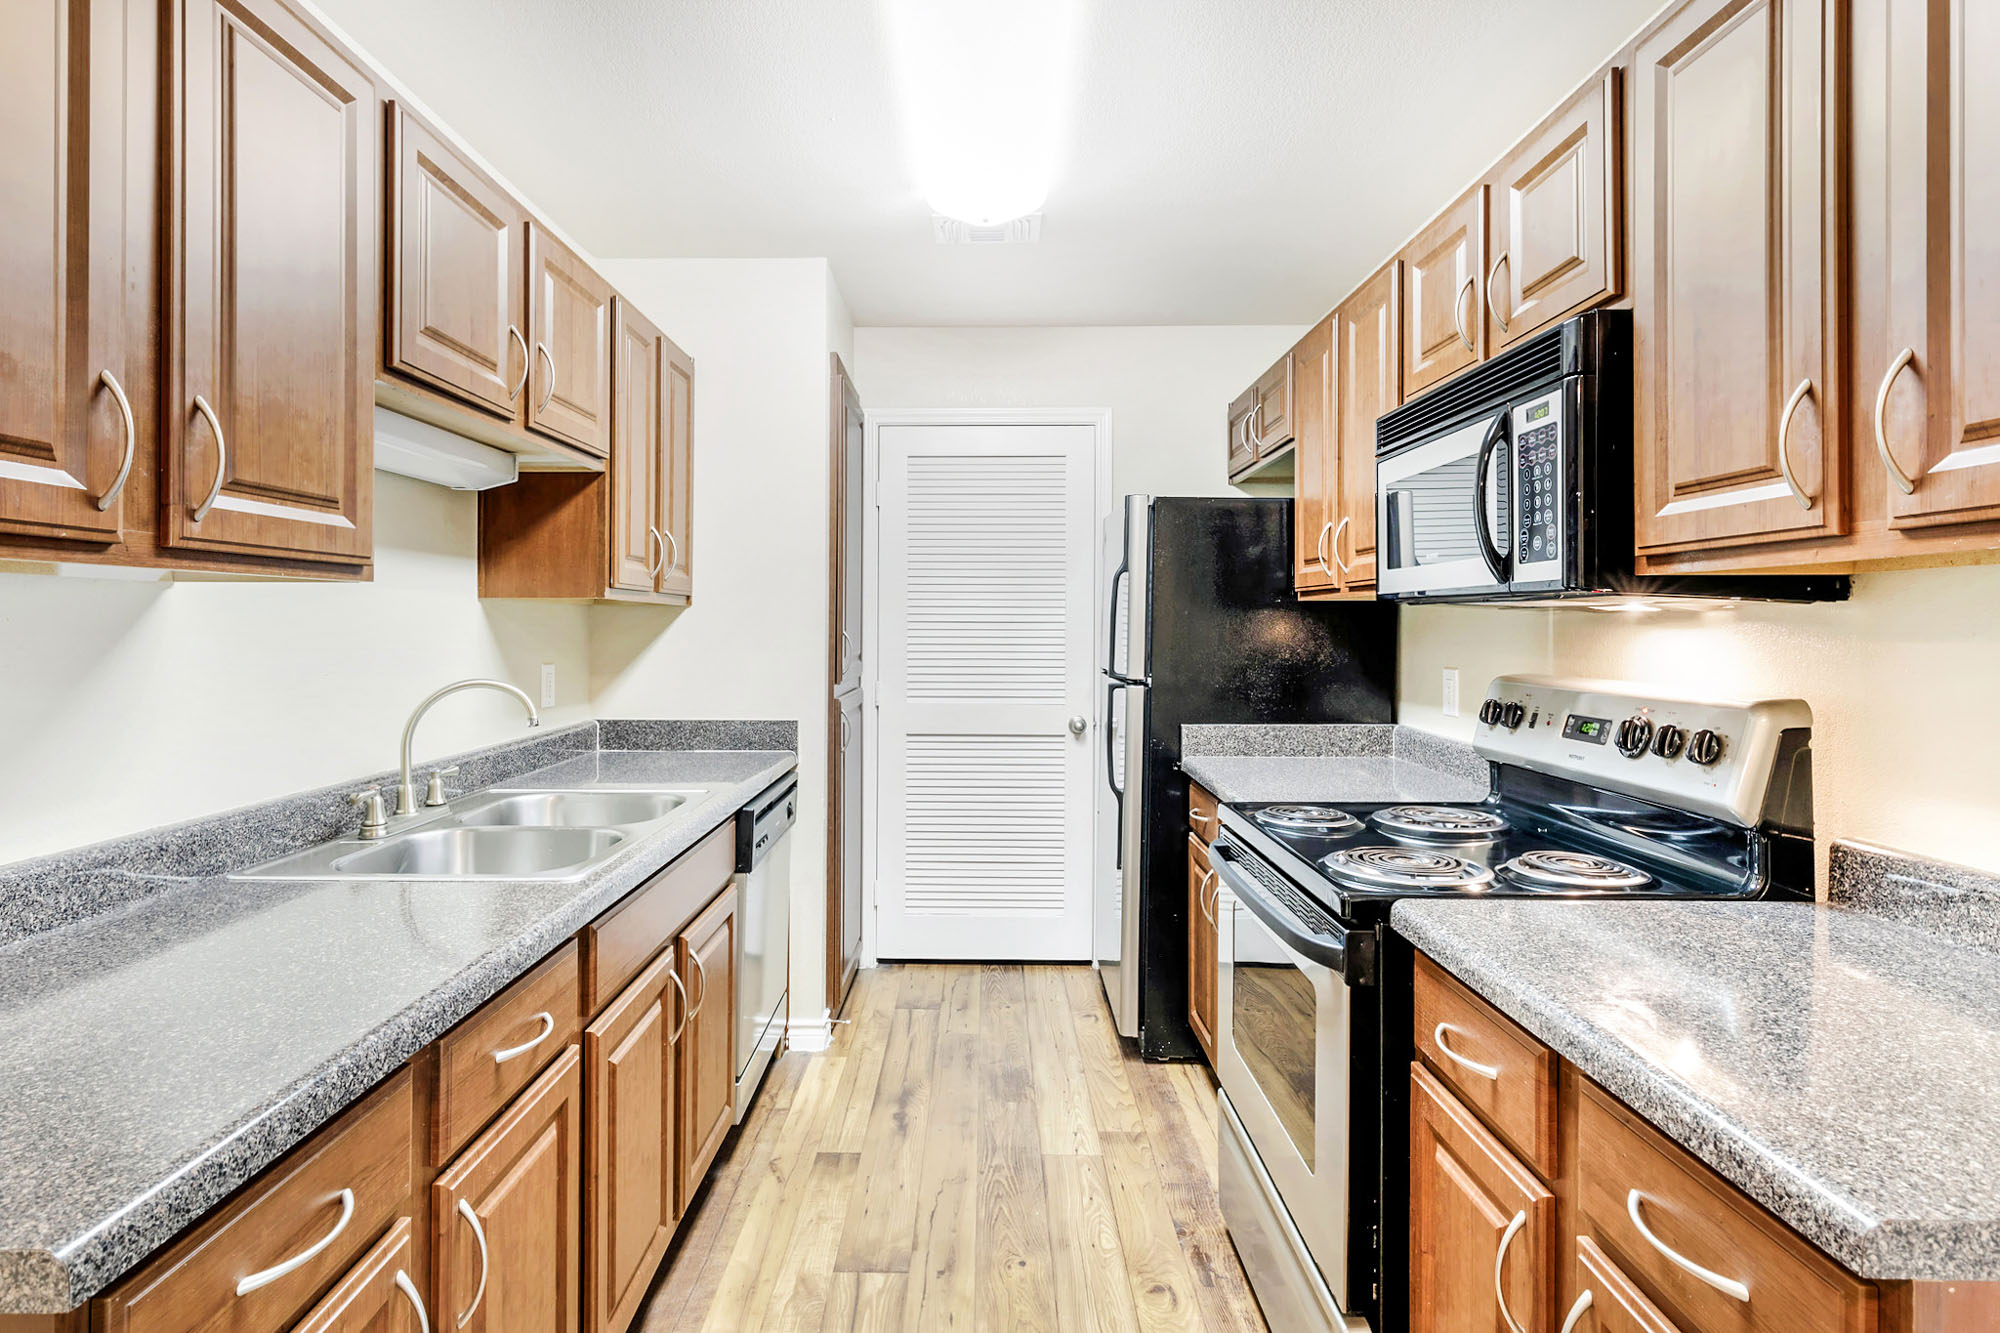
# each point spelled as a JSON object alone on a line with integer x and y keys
{"x": 569, "y": 311}
{"x": 677, "y": 504}
{"x": 638, "y": 462}
{"x": 1443, "y": 272}
{"x": 629, "y": 1199}
{"x": 707, "y": 1074}
{"x": 1368, "y": 382}
{"x": 1556, "y": 218}
{"x": 1316, "y": 469}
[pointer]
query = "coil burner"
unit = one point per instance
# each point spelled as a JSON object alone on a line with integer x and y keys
{"x": 1559, "y": 870}
{"x": 1440, "y": 823}
{"x": 1405, "y": 868}
{"x": 1319, "y": 821}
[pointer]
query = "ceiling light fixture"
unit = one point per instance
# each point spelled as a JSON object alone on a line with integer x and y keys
{"x": 984, "y": 87}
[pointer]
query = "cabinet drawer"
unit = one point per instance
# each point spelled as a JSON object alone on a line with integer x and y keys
{"x": 1500, "y": 1071}
{"x": 493, "y": 1054}
{"x": 1778, "y": 1281}
{"x": 619, "y": 944}
{"x": 1201, "y": 813}
{"x": 329, "y": 1198}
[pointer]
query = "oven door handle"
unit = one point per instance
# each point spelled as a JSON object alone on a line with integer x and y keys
{"x": 1347, "y": 953}
{"x": 1496, "y": 435}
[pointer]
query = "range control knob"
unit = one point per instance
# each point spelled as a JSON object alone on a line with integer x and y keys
{"x": 1669, "y": 741}
{"x": 1634, "y": 735}
{"x": 1513, "y": 715}
{"x": 1704, "y": 747}
{"x": 1491, "y": 712}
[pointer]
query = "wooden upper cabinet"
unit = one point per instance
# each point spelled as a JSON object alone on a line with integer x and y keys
{"x": 1316, "y": 466}
{"x": 1271, "y": 417}
{"x": 630, "y": 1199}
{"x": 638, "y": 456}
{"x": 1734, "y": 242}
{"x": 849, "y": 447}
{"x": 706, "y": 954}
{"x": 1368, "y": 382}
{"x": 1444, "y": 268}
{"x": 1242, "y": 446}
{"x": 1933, "y": 121}
{"x": 1482, "y": 1227}
{"x": 676, "y": 476}
{"x": 68, "y": 437}
{"x": 504, "y": 1216}
{"x": 457, "y": 286}
{"x": 1557, "y": 230}
{"x": 569, "y": 322}
{"x": 269, "y": 399}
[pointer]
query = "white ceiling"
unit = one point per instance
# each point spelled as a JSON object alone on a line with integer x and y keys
{"x": 1227, "y": 161}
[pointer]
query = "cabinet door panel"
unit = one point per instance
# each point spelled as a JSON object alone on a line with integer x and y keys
{"x": 1443, "y": 274}
{"x": 62, "y": 435}
{"x": 457, "y": 279}
{"x": 850, "y": 838}
{"x": 1316, "y": 480}
{"x": 1242, "y": 446}
{"x": 676, "y": 502}
{"x": 1556, "y": 219}
{"x": 1368, "y": 379}
{"x": 1202, "y": 949}
{"x": 270, "y": 409}
{"x": 708, "y": 1041}
{"x": 382, "y": 1293}
{"x": 569, "y": 311}
{"x": 638, "y": 551}
{"x": 1616, "y": 1304}
{"x": 629, "y": 1205}
{"x": 1731, "y": 301}
{"x": 1272, "y": 417}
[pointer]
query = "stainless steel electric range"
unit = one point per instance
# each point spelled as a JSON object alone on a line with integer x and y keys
{"x": 1597, "y": 792}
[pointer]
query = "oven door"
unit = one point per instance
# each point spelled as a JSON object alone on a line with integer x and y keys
{"x": 1443, "y": 512}
{"x": 1283, "y": 1016}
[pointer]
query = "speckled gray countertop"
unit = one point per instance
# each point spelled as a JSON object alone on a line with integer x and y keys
{"x": 1331, "y": 762}
{"x": 155, "y": 1057}
{"x": 1841, "y": 1067}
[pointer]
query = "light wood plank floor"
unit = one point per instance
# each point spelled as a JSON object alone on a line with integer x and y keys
{"x": 977, "y": 1150}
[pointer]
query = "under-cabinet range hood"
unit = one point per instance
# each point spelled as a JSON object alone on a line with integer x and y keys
{"x": 412, "y": 448}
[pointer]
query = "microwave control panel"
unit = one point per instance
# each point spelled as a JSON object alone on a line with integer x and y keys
{"x": 1539, "y": 485}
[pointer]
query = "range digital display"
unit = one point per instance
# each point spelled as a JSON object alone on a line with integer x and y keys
{"x": 1577, "y": 727}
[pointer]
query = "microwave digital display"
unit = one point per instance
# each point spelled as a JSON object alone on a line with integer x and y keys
{"x": 1538, "y": 411}
{"x": 1576, "y": 727}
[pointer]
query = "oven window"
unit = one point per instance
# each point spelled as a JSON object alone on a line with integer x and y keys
{"x": 1428, "y": 514}
{"x": 1273, "y": 1026}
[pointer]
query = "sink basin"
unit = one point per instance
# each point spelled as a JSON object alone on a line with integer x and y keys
{"x": 477, "y": 853}
{"x": 571, "y": 809}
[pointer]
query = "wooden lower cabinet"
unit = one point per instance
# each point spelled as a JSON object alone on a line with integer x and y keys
{"x": 1482, "y": 1227}
{"x": 706, "y": 960}
{"x": 1203, "y": 947}
{"x": 1607, "y": 1301}
{"x": 380, "y": 1294}
{"x": 505, "y": 1217}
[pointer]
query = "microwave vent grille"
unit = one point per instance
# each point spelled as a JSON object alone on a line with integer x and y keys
{"x": 1500, "y": 380}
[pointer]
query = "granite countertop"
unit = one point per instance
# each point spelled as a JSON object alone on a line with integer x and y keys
{"x": 1331, "y": 762}
{"x": 1838, "y": 1065}
{"x": 155, "y": 1057}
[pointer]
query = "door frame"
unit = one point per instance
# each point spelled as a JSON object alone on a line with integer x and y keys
{"x": 1098, "y": 419}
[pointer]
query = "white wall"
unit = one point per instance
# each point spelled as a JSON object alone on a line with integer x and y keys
{"x": 754, "y": 642}
{"x": 1168, "y": 388}
{"x": 133, "y": 702}
{"x": 1902, "y": 681}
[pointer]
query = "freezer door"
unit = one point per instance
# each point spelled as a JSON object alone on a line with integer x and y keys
{"x": 1120, "y": 833}
{"x": 1128, "y": 544}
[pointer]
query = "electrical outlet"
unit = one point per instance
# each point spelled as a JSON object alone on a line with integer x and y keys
{"x": 549, "y": 685}
{"x": 1448, "y": 694}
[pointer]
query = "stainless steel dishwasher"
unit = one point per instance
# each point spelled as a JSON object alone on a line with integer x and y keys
{"x": 763, "y": 931}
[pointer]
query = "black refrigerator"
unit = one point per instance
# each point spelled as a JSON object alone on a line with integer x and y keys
{"x": 1202, "y": 626}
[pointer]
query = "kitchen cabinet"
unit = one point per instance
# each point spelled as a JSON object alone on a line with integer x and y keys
{"x": 848, "y": 454}
{"x": 272, "y": 170}
{"x": 457, "y": 272}
{"x": 631, "y": 1198}
{"x": 69, "y": 438}
{"x": 1316, "y": 465}
{"x": 846, "y": 445}
{"x": 1443, "y": 271}
{"x": 1482, "y": 1227}
{"x": 1735, "y": 242}
{"x": 1242, "y": 445}
{"x": 505, "y": 1216}
{"x": 1616, "y": 1304}
{"x": 1368, "y": 381}
{"x": 844, "y": 939}
{"x": 484, "y": 1061}
{"x": 676, "y": 503}
{"x": 1261, "y": 426}
{"x": 569, "y": 324}
{"x": 706, "y": 961}
{"x": 638, "y": 454}
{"x": 382, "y": 1293}
{"x": 1557, "y": 224}
{"x": 1203, "y": 946}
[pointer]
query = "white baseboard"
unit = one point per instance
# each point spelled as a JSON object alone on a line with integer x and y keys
{"x": 810, "y": 1034}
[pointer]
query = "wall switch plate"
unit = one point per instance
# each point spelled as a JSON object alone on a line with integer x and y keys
{"x": 1448, "y": 694}
{"x": 549, "y": 685}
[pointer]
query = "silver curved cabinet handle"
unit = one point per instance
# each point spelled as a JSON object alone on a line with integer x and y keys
{"x": 674, "y": 556}
{"x": 548, "y": 1021}
{"x": 1500, "y": 1264}
{"x": 1472, "y": 1066}
{"x": 1889, "y": 464}
{"x": 110, "y": 496}
{"x": 409, "y": 1290}
{"x": 1202, "y": 818}
{"x": 515, "y": 335}
{"x": 1319, "y": 550}
{"x": 221, "y": 457}
{"x": 1345, "y": 519}
{"x": 1728, "y": 1286}
{"x": 1576, "y": 1311}
{"x": 485, "y": 1260}
{"x": 701, "y": 975}
{"x": 548, "y": 390}
{"x": 844, "y": 730}
{"x": 1492, "y": 309}
{"x": 1785, "y": 439}
{"x": 1206, "y": 899}
{"x": 653, "y": 570}
{"x": 675, "y": 977}
{"x": 1458, "y": 311}
{"x": 305, "y": 1256}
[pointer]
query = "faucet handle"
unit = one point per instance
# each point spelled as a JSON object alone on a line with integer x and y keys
{"x": 374, "y": 819}
{"x": 434, "y": 793}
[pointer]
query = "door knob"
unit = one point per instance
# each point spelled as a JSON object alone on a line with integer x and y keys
{"x": 1076, "y": 726}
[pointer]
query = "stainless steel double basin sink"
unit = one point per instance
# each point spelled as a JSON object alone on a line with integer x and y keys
{"x": 539, "y": 834}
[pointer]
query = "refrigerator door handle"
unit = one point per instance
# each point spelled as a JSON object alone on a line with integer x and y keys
{"x": 1112, "y": 737}
{"x": 1111, "y": 662}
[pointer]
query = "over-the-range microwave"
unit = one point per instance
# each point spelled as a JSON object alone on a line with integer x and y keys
{"x": 1512, "y": 482}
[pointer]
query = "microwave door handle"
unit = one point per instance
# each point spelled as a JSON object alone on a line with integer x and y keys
{"x": 1496, "y": 435}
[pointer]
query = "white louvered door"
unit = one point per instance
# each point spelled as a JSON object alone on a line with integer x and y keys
{"x": 984, "y": 682}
